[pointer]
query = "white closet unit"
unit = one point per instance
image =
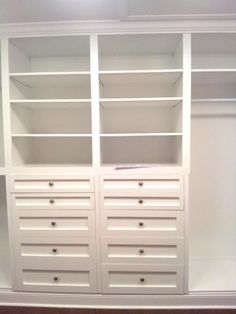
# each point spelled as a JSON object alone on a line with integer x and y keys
{"x": 118, "y": 186}
{"x": 50, "y": 100}
{"x": 212, "y": 197}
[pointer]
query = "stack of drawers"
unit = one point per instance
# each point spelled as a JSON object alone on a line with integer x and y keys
{"x": 54, "y": 233}
{"x": 142, "y": 226}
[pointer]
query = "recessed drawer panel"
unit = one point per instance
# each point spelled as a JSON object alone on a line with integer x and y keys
{"x": 142, "y": 279}
{"x": 78, "y": 225}
{"x": 59, "y": 250}
{"x": 53, "y": 201}
{"x": 83, "y": 281}
{"x": 42, "y": 183}
{"x": 142, "y": 203}
{"x": 164, "y": 224}
{"x": 139, "y": 250}
{"x": 145, "y": 185}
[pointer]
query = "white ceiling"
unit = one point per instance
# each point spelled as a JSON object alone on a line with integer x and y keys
{"x": 26, "y": 11}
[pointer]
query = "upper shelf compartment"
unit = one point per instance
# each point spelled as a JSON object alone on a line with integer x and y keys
{"x": 214, "y": 51}
{"x": 140, "y": 52}
{"x": 49, "y": 54}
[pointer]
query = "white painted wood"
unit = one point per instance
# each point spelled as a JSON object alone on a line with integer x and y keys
{"x": 142, "y": 250}
{"x": 186, "y": 126}
{"x": 52, "y": 201}
{"x": 146, "y": 185}
{"x": 77, "y": 281}
{"x": 161, "y": 224}
{"x": 95, "y": 112}
{"x": 151, "y": 279}
{"x": 52, "y": 183}
{"x": 54, "y": 224}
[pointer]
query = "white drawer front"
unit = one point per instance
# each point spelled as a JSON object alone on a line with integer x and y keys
{"x": 139, "y": 250}
{"x": 53, "y": 201}
{"x": 83, "y": 281}
{"x": 42, "y": 183}
{"x": 82, "y": 224}
{"x": 164, "y": 224}
{"x": 142, "y": 203}
{"x": 59, "y": 250}
{"x": 142, "y": 279}
{"x": 165, "y": 185}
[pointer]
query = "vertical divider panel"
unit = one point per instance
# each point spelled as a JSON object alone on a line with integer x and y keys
{"x": 186, "y": 101}
{"x": 186, "y": 125}
{"x": 6, "y": 103}
{"x": 95, "y": 100}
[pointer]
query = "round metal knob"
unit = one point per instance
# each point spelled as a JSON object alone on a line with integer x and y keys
{"x": 141, "y": 279}
{"x": 53, "y": 223}
{"x": 52, "y": 201}
{"x": 141, "y": 224}
{"x": 55, "y": 278}
{"x": 54, "y": 250}
{"x": 50, "y": 183}
{"x": 140, "y": 201}
{"x": 140, "y": 183}
{"x": 141, "y": 251}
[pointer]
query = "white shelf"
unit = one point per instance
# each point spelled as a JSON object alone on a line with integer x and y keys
{"x": 213, "y": 100}
{"x": 139, "y": 134}
{"x": 139, "y": 102}
{"x": 45, "y": 103}
{"x": 2, "y": 171}
{"x": 209, "y": 70}
{"x": 52, "y": 79}
{"x": 212, "y": 275}
{"x": 159, "y": 71}
{"x": 52, "y": 135}
{"x": 140, "y": 78}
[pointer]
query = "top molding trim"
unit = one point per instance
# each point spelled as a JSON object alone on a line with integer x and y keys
{"x": 115, "y": 27}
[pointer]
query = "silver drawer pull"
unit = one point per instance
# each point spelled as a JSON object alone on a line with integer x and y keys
{"x": 141, "y": 251}
{"x": 142, "y": 279}
{"x": 53, "y": 223}
{"x": 140, "y": 183}
{"x": 141, "y": 223}
{"x": 140, "y": 201}
{"x": 54, "y": 250}
{"x": 50, "y": 183}
{"x": 55, "y": 278}
{"x": 52, "y": 201}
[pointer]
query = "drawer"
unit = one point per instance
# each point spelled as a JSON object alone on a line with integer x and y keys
{"x": 141, "y": 203}
{"x": 142, "y": 279}
{"x": 161, "y": 223}
{"x": 48, "y": 225}
{"x": 58, "y": 250}
{"x": 139, "y": 250}
{"x": 145, "y": 185}
{"x": 45, "y": 183}
{"x": 52, "y": 201}
{"x": 56, "y": 280}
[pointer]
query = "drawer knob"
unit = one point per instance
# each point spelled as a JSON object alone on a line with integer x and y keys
{"x": 141, "y": 279}
{"x": 140, "y": 183}
{"x": 50, "y": 183}
{"x": 140, "y": 201}
{"x": 141, "y": 224}
{"x": 54, "y": 250}
{"x": 52, "y": 201}
{"x": 53, "y": 223}
{"x": 141, "y": 251}
{"x": 55, "y": 278}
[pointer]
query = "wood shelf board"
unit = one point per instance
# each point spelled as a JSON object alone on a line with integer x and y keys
{"x": 140, "y": 78}
{"x": 52, "y": 79}
{"x": 139, "y": 102}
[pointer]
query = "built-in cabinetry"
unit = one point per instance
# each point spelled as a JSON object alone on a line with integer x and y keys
{"x": 101, "y": 194}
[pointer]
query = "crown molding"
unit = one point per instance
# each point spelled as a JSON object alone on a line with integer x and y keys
{"x": 112, "y": 27}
